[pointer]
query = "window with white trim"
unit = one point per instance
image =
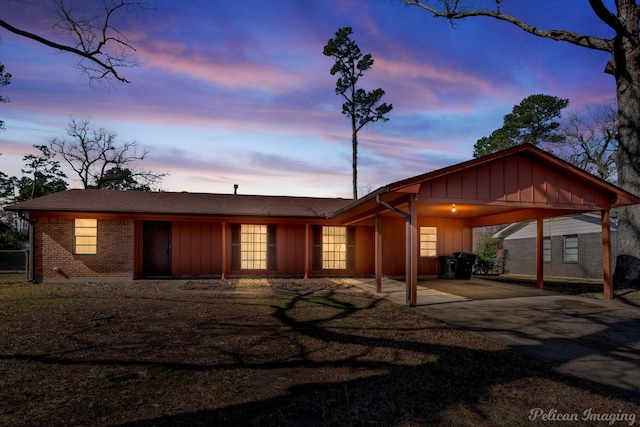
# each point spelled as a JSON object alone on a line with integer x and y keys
{"x": 428, "y": 241}
{"x": 85, "y": 236}
{"x": 334, "y": 248}
{"x": 546, "y": 249}
{"x": 253, "y": 247}
{"x": 570, "y": 248}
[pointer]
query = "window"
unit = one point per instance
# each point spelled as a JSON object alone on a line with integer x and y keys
{"x": 334, "y": 248}
{"x": 546, "y": 249}
{"x": 253, "y": 247}
{"x": 571, "y": 248}
{"x": 428, "y": 241}
{"x": 85, "y": 236}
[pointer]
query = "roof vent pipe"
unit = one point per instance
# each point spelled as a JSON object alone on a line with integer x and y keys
{"x": 235, "y": 189}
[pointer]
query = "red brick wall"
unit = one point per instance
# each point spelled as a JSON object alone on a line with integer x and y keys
{"x": 55, "y": 260}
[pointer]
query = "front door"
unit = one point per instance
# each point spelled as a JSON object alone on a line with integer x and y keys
{"x": 156, "y": 250}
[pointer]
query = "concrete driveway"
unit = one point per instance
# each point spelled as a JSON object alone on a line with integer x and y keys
{"x": 595, "y": 339}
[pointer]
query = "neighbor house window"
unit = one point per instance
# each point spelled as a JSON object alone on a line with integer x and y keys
{"x": 428, "y": 241}
{"x": 253, "y": 247}
{"x": 85, "y": 236}
{"x": 546, "y": 249}
{"x": 571, "y": 248}
{"x": 334, "y": 248}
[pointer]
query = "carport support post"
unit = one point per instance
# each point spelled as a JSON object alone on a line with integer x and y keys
{"x": 605, "y": 217}
{"x": 306, "y": 250}
{"x": 378, "y": 252}
{"x": 539, "y": 255}
{"x": 412, "y": 253}
{"x": 223, "y": 274}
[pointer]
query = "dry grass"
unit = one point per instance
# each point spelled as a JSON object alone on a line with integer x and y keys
{"x": 129, "y": 355}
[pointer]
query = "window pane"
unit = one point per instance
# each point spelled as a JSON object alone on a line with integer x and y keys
{"x": 334, "y": 248}
{"x": 546, "y": 249}
{"x": 428, "y": 241}
{"x": 571, "y": 248}
{"x": 253, "y": 247}
{"x": 85, "y": 236}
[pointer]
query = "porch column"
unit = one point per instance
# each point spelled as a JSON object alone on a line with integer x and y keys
{"x": 605, "y": 217}
{"x": 378, "y": 252}
{"x": 306, "y": 251}
{"x": 539, "y": 255}
{"x": 223, "y": 275}
{"x": 412, "y": 253}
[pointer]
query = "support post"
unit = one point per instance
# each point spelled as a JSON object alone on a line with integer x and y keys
{"x": 539, "y": 255}
{"x": 607, "y": 289}
{"x": 378, "y": 252}
{"x": 223, "y": 274}
{"x": 413, "y": 250}
{"x": 306, "y": 251}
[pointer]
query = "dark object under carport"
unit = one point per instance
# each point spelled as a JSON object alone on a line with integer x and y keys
{"x": 464, "y": 265}
{"x": 447, "y": 267}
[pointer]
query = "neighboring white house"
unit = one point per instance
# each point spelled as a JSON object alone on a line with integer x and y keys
{"x": 572, "y": 246}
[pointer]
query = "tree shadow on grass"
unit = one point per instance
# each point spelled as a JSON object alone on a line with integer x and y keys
{"x": 406, "y": 376}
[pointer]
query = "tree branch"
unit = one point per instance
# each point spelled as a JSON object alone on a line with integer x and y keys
{"x": 453, "y": 12}
{"x": 90, "y": 36}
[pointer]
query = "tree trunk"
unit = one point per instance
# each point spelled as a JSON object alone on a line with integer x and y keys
{"x": 354, "y": 142}
{"x": 625, "y": 66}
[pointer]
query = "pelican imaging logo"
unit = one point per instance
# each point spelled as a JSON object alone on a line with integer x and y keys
{"x": 611, "y": 418}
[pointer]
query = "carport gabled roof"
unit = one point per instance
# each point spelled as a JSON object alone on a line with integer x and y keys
{"x": 519, "y": 183}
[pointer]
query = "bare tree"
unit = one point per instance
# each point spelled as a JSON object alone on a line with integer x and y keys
{"x": 90, "y": 34}
{"x": 5, "y": 79}
{"x": 623, "y": 17}
{"x": 591, "y": 141}
{"x": 93, "y": 154}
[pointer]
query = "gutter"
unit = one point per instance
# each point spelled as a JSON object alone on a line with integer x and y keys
{"x": 29, "y": 273}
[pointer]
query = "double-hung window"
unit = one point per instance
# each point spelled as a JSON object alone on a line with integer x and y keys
{"x": 85, "y": 236}
{"x": 546, "y": 249}
{"x": 570, "y": 248}
{"x": 428, "y": 241}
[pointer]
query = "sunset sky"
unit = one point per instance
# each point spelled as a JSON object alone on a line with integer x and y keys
{"x": 239, "y": 92}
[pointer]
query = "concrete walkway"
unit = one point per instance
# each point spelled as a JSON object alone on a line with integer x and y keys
{"x": 595, "y": 339}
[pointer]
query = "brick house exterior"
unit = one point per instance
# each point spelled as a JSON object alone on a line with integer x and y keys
{"x": 520, "y": 243}
{"x": 399, "y": 229}
{"x": 56, "y": 234}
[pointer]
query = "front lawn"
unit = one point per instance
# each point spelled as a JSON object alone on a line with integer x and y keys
{"x": 132, "y": 355}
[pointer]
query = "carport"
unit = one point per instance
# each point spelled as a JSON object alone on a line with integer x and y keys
{"x": 522, "y": 183}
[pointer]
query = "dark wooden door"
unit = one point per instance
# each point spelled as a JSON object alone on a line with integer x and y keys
{"x": 157, "y": 248}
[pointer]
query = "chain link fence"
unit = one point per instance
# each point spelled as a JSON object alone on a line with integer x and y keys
{"x": 14, "y": 262}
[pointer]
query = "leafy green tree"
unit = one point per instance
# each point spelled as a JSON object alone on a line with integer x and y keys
{"x": 122, "y": 179}
{"x": 41, "y": 176}
{"x": 487, "y": 249}
{"x": 360, "y": 106}
{"x": 620, "y": 19}
{"x": 5, "y": 79}
{"x": 533, "y": 121}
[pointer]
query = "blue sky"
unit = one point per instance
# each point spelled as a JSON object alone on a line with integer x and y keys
{"x": 240, "y": 93}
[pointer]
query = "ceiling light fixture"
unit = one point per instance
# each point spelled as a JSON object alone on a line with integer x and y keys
{"x": 453, "y": 207}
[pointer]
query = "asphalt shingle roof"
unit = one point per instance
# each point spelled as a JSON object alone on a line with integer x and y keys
{"x": 141, "y": 202}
